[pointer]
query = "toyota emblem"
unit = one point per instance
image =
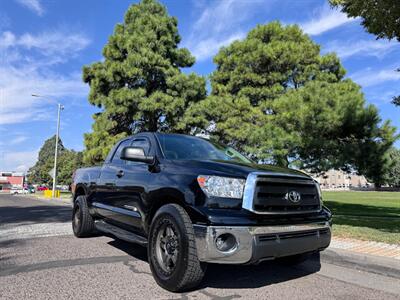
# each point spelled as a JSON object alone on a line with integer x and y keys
{"x": 293, "y": 196}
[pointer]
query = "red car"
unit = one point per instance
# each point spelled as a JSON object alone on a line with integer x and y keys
{"x": 42, "y": 188}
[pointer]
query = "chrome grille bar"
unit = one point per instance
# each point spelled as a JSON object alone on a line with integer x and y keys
{"x": 251, "y": 187}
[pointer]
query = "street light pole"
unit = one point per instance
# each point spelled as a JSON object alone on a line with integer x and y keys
{"x": 60, "y": 108}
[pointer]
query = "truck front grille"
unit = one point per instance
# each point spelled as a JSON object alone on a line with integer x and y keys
{"x": 270, "y": 195}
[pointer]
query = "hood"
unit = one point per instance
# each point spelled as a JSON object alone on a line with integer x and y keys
{"x": 234, "y": 168}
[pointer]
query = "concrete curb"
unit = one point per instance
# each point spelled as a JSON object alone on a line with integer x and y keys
{"x": 363, "y": 262}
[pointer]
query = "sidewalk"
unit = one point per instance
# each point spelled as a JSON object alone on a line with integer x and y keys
{"x": 366, "y": 247}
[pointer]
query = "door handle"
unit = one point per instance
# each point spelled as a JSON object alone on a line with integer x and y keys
{"x": 120, "y": 173}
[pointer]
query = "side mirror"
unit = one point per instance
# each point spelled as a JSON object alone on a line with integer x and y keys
{"x": 136, "y": 154}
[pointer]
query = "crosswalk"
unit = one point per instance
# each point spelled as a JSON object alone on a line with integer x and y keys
{"x": 27, "y": 231}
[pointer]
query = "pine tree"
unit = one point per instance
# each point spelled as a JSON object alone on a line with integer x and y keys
{"x": 277, "y": 98}
{"x": 39, "y": 173}
{"x": 139, "y": 85}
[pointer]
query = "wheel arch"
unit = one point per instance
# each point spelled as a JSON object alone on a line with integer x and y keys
{"x": 158, "y": 203}
{"x": 79, "y": 191}
{"x": 169, "y": 196}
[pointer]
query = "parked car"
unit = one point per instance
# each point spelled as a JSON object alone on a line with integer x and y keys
{"x": 18, "y": 190}
{"x": 42, "y": 188}
{"x": 63, "y": 187}
{"x": 31, "y": 189}
{"x": 191, "y": 201}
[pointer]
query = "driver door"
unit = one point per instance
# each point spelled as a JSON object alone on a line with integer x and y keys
{"x": 131, "y": 188}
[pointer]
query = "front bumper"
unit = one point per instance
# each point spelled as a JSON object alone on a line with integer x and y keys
{"x": 257, "y": 243}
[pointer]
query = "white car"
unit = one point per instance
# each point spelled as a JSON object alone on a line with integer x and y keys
{"x": 17, "y": 190}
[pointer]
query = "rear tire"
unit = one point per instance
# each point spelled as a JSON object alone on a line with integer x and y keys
{"x": 82, "y": 221}
{"x": 172, "y": 250}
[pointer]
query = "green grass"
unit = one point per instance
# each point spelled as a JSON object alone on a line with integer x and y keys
{"x": 365, "y": 215}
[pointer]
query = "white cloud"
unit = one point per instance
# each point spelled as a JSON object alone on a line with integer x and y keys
{"x": 26, "y": 69}
{"x": 47, "y": 43}
{"x": 17, "y": 86}
{"x": 33, "y": 5}
{"x": 222, "y": 15}
{"x": 325, "y": 20}
{"x": 17, "y": 140}
{"x": 205, "y": 48}
{"x": 383, "y": 95}
{"x": 18, "y": 161}
{"x": 370, "y": 77}
{"x": 7, "y": 39}
{"x": 219, "y": 23}
{"x": 377, "y": 48}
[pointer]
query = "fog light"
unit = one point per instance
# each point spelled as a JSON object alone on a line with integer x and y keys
{"x": 226, "y": 242}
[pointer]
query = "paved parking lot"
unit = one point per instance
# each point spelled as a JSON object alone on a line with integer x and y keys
{"x": 40, "y": 259}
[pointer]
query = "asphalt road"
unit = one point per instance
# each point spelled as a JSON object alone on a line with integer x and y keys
{"x": 41, "y": 259}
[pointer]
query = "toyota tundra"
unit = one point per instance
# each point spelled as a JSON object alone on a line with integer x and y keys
{"x": 192, "y": 201}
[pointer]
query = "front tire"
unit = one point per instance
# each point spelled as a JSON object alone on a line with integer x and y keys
{"x": 82, "y": 221}
{"x": 172, "y": 250}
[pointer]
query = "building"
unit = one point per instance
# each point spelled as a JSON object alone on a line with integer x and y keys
{"x": 336, "y": 179}
{"x": 11, "y": 179}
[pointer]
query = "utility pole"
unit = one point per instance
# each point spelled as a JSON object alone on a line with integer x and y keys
{"x": 60, "y": 108}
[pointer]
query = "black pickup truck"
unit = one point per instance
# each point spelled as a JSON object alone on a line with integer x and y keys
{"x": 191, "y": 201}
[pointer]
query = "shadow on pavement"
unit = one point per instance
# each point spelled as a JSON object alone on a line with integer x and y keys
{"x": 134, "y": 250}
{"x": 254, "y": 276}
{"x": 35, "y": 214}
{"x": 238, "y": 276}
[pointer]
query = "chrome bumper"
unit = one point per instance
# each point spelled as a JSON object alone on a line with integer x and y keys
{"x": 261, "y": 243}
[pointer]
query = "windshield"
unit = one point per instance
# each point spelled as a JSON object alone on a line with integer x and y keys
{"x": 190, "y": 147}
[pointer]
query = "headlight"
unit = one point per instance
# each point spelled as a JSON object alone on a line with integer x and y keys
{"x": 217, "y": 186}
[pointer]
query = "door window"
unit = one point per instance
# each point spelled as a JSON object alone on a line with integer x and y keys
{"x": 141, "y": 143}
{"x": 116, "y": 158}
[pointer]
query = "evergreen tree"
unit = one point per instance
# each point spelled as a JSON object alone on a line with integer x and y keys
{"x": 139, "y": 85}
{"x": 378, "y": 17}
{"x": 275, "y": 96}
{"x": 381, "y": 18}
{"x": 39, "y": 173}
{"x": 392, "y": 176}
{"x": 67, "y": 162}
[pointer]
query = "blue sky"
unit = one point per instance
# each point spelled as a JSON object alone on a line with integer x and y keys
{"x": 45, "y": 43}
